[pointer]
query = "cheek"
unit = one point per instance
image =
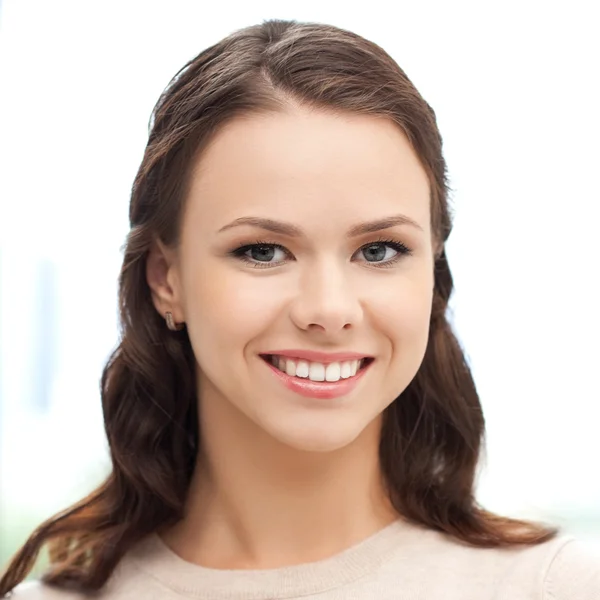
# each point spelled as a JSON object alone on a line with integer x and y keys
{"x": 404, "y": 307}
{"x": 226, "y": 309}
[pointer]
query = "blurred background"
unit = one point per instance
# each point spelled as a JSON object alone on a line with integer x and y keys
{"x": 515, "y": 86}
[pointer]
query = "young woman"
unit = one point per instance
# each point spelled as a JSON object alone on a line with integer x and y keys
{"x": 289, "y": 412}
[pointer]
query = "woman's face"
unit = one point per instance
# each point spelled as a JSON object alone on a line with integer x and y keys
{"x": 305, "y": 231}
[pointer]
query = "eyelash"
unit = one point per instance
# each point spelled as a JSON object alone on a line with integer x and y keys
{"x": 240, "y": 253}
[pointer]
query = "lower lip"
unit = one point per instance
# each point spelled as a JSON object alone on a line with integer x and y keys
{"x": 319, "y": 389}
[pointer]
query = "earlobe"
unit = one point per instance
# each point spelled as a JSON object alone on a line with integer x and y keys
{"x": 162, "y": 281}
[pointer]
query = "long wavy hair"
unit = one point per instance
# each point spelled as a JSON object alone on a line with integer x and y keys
{"x": 433, "y": 433}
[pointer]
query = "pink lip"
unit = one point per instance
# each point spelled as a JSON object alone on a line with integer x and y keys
{"x": 321, "y": 357}
{"x": 319, "y": 389}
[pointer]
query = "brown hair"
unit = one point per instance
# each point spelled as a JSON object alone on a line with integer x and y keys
{"x": 433, "y": 432}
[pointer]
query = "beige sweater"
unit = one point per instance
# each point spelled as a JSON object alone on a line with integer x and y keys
{"x": 399, "y": 562}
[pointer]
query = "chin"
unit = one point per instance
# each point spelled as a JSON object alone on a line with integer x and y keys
{"x": 322, "y": 437}
{"x": 317, "y": 444}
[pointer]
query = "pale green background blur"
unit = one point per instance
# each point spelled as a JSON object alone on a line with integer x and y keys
{"x": 515, "y": 89}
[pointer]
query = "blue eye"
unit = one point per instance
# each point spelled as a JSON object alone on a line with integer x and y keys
{"x": 378, "y": 251}
{"x": 260, "y": 254}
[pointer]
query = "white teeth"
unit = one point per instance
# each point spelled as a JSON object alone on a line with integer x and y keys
{"x": 317, "y": 371}
{"x": 346, "y": 370}
{"x": 290, "y": 368}
{"x": 302, "y": 368}
{"x": 333, "y": 372}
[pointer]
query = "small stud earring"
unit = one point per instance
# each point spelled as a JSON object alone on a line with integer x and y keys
{"x": 171, "y": 323}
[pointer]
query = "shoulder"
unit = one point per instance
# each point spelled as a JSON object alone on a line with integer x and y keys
{"x": 36, "y": 590}
{"x": 562, "y": 568}
{"x": 573, "y": 573}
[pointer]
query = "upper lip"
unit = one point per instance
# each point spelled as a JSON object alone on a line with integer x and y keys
{"x": 322, "y": 357}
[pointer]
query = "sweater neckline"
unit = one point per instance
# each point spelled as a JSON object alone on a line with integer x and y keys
{"x": 156, "y": 559}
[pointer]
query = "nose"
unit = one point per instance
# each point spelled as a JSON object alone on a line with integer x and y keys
{"x": 326, "y": 300}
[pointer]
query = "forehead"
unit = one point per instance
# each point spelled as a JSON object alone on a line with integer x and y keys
{"x": 303, "y": 163}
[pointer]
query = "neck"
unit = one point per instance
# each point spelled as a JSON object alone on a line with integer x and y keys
{"x": 257, "y": 503}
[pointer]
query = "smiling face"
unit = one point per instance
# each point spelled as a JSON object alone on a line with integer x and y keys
{"x": 304, "y": 231}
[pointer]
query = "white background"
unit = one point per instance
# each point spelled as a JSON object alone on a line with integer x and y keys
{"x": 515, "y": 86}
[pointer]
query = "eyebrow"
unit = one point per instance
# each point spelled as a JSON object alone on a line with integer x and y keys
{"x": 291, "y": 230}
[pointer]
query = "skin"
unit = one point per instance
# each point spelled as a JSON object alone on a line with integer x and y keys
{"x": 283, "y": 479}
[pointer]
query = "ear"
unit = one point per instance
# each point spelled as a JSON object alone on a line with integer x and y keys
{"x": 164, "y": 279}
